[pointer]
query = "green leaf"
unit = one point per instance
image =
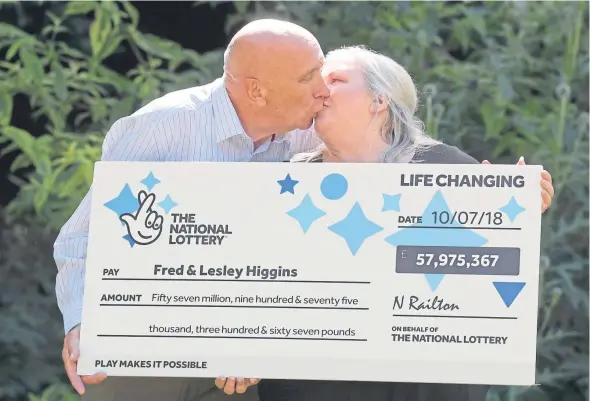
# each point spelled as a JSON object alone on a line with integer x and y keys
{"x": 41, "y": 196}
{"x": 493, "y": 119}
{"x": 505, "y": 87}
{"x": 21, "y": 138}
{"x": 20, "y": 162}
{"x": 61, "y": 89}
{"x": 157, "y": 46}
{"x": 100, "y": 30}
{"x": 111, "y": 46}
{"x": 87, "y": 170}
{"x": 32, "y": 64}
{"x": 13, "y": 49}
{"x": 10, "y": 31}
{"x": 79, "y": 7}
{"x": 131, "y": 12}
{"x": 5, "y": 106}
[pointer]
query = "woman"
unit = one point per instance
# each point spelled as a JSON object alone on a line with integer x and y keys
{"x": 369, "y": 117}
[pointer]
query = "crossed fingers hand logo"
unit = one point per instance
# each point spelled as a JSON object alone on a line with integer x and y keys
{"x": 145, "y": 225}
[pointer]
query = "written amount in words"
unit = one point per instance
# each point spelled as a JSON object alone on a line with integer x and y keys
{"x": 244, "y": 299}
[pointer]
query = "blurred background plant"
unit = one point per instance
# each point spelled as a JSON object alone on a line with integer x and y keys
{"x": 497, "y": 79}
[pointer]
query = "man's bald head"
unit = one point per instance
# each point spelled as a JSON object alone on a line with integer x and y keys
{"x": 260, "y": 46}
{"x": 273, "y": 75}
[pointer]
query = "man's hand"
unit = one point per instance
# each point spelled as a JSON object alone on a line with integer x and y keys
{"x": 231, "y": 385}
{"x": 70, "y": 355}
{"x": 547, "y": 190}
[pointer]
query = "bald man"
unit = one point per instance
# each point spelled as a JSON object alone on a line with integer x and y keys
{"x": 260, "y": 111}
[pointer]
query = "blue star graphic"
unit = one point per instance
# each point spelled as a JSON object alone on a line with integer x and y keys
{"x": 454, "y": 235}
{"x": 306, "y": 213}
{"x": 512, "y": 209}
{"x": 391, "y": 202}
{"x": 125, "y": 202}
{"x": 288, "y": 184}
{"x": 150, "y": 181}
{"x": 355, "y": 228}
{"x": 167, "y": 204}
{"x": 128, "y": 238}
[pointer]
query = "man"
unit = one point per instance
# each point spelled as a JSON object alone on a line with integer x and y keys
{"x": 259, "y": 111}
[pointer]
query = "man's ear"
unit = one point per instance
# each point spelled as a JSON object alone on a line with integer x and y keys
{"x": 255, "y": 91}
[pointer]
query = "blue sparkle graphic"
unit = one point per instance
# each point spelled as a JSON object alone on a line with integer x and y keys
{"x": 288, "y": 184}
{"x": 150, "y": 181}
{"x": 306, "y": 213}
{"x": 167, "y": 204}
{"x": 125, "y": 202}
{"x": 454, "y": 235}
{"x": 391, "y": 202}
{"x": 355, "y": 228}
{"x": 128, "y": 238}
{"x": 334, "y": 186}
{"x": 512, "y": 209}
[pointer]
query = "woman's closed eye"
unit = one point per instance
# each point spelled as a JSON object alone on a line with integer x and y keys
{"x": 335, "y": 79}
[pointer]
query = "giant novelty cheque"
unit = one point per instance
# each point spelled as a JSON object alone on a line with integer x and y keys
{"x": 332, "y": 271}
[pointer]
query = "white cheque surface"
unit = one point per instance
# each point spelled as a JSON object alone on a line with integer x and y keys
{"x": 376, "y": 272}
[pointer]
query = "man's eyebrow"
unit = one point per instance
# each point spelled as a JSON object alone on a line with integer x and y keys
{"x": 310, "y": 72}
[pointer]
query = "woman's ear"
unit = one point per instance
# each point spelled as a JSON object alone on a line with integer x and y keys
{"x": 379, "y": 104}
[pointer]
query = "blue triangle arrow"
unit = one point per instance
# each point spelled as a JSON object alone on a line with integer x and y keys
{"x": 434, "y": 280}
{"x": 508, "y": 291}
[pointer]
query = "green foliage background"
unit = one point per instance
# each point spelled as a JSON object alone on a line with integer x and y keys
{"x": 497, "y": 79}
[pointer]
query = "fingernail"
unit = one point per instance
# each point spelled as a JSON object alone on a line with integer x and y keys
{"x": 521, "y": 158}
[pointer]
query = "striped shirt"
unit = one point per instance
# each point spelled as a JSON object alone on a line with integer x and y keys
{"x": 195, "y": 124}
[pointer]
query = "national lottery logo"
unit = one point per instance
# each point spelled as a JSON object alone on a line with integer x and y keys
{"x": 150, "y": 214}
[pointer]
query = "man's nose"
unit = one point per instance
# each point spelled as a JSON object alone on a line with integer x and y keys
{"x": 323, "y": 90}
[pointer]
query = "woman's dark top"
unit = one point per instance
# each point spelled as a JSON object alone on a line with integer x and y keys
{"x": 444, "y": 154}
{"x": 320, "y": 390}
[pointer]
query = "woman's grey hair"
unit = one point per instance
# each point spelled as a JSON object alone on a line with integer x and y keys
{"x": 388, "y": 80}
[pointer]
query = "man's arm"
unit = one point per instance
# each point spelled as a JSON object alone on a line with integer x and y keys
{"x": 140, "y": 137}
{"x": 71, "y": 243}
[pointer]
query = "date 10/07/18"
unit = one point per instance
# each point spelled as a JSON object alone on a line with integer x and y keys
{"x": 458, "y": 217}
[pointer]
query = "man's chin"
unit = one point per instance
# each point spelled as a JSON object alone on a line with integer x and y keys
{"x": 308, "y": 124}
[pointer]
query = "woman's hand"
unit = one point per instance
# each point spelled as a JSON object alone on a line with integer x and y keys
{"x": 547, "y": 190}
